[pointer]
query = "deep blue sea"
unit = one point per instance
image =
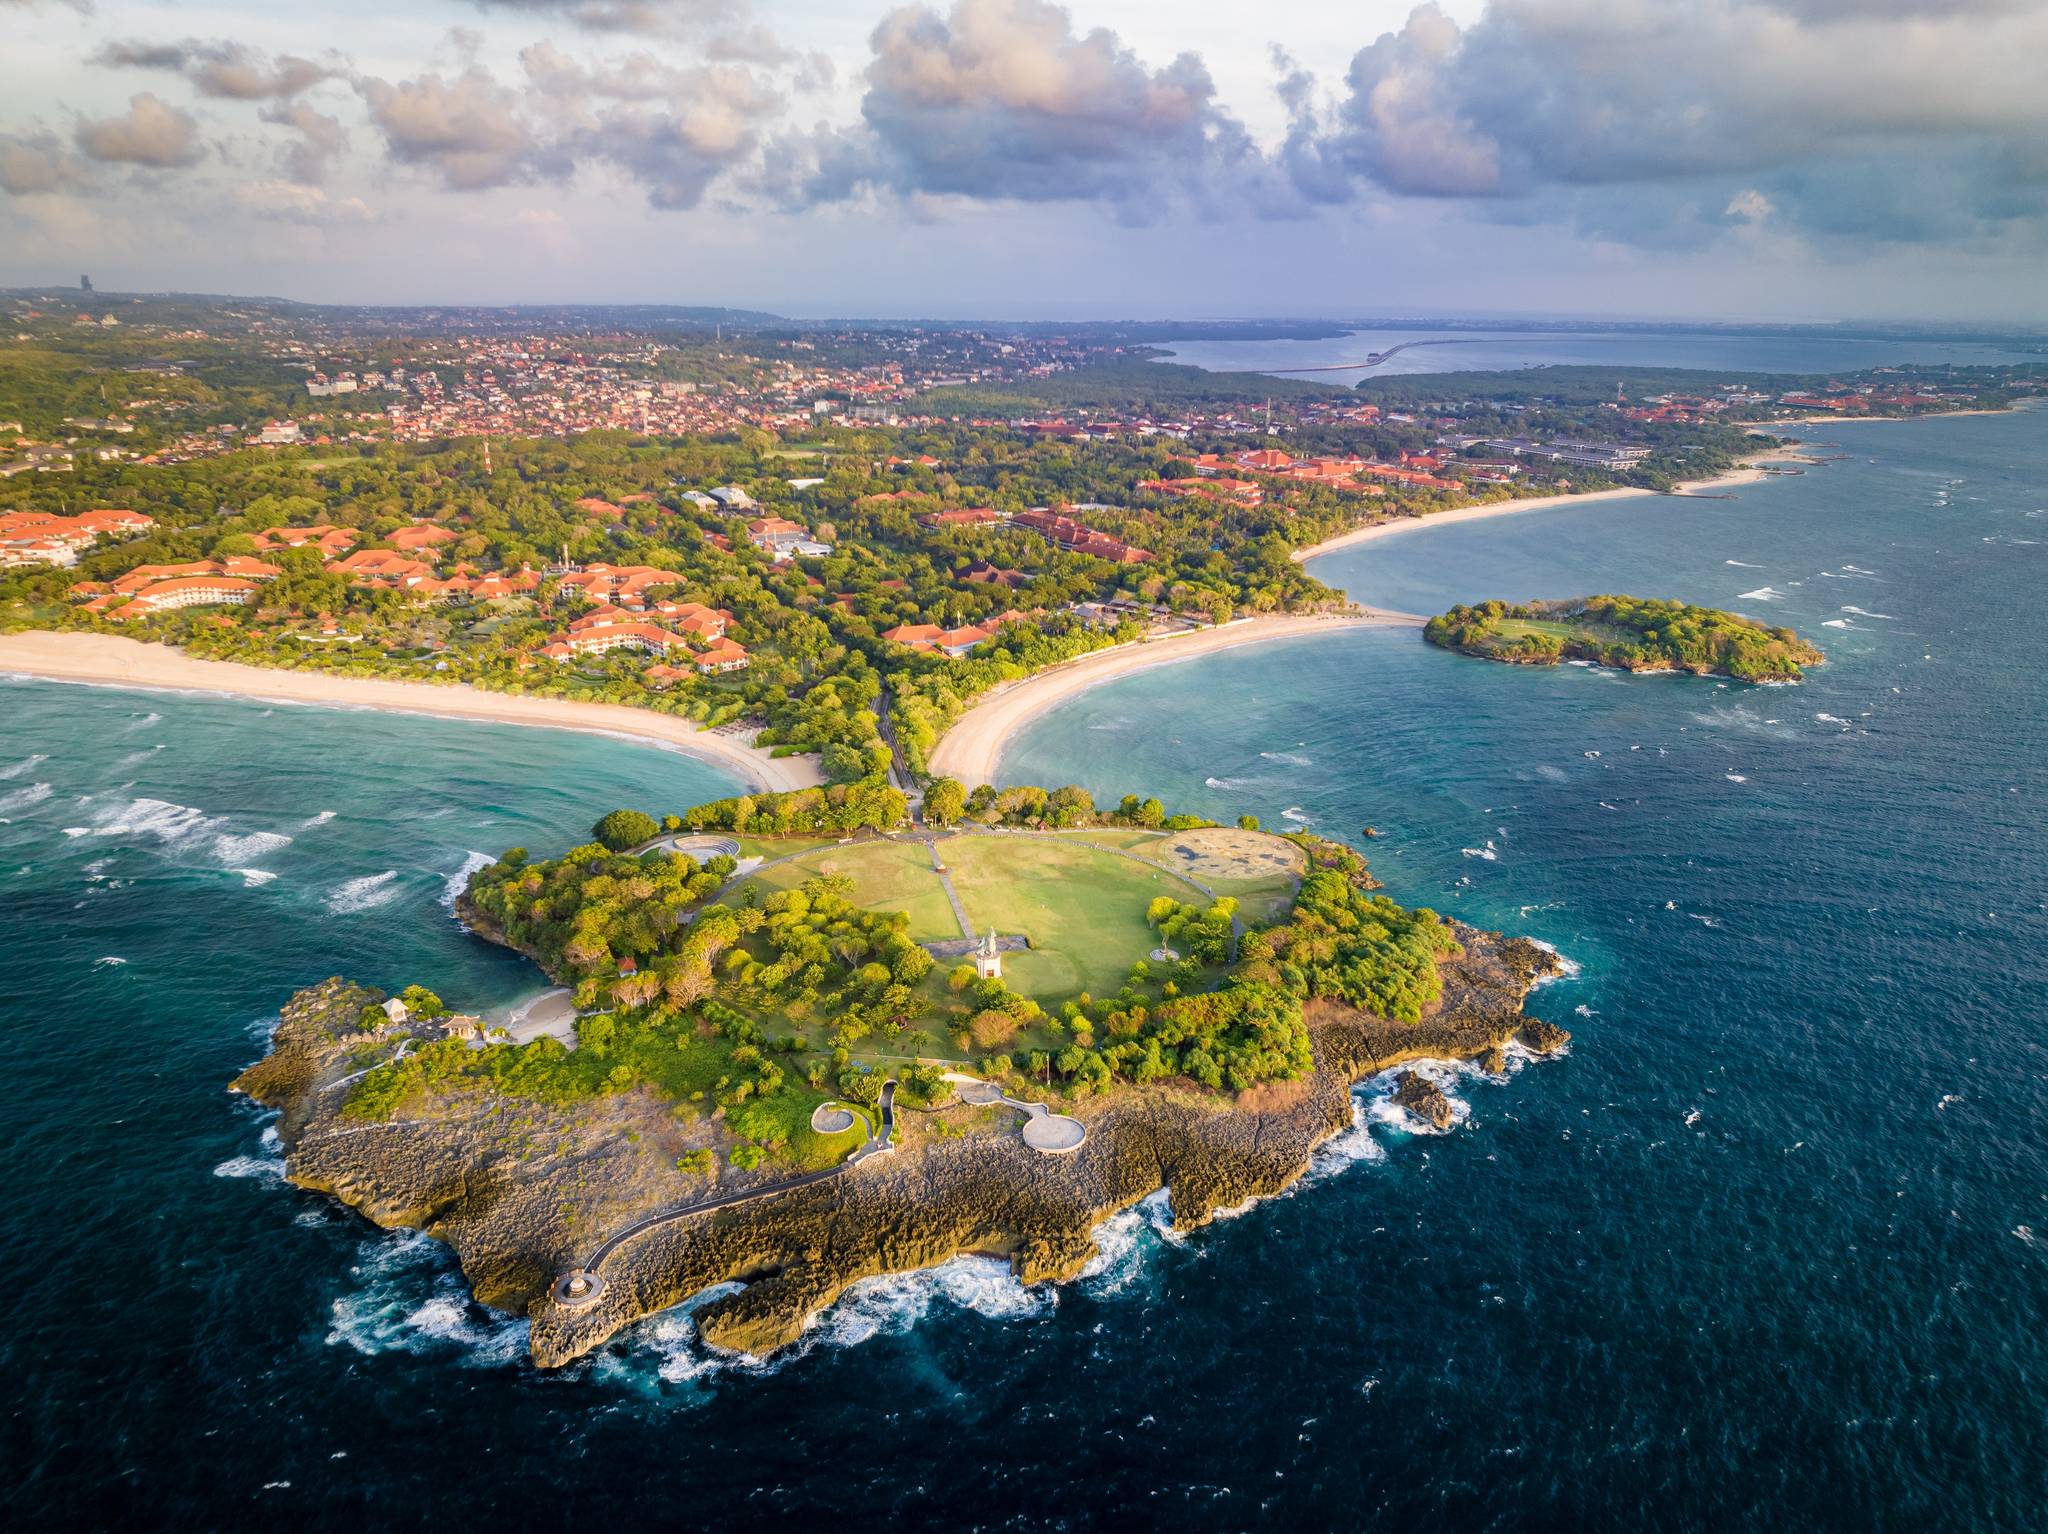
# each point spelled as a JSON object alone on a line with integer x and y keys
{"x": 1457, "y": 351}
{"x": 1767, "y": 1248}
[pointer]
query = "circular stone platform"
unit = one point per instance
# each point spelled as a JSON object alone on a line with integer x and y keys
{"x": 577, "y": 1289}
{"x": 828, "y": 1120}
{"x": 1054, "y": 1134}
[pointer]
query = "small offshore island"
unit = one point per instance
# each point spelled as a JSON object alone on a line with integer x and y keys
{"x": 1637, "y": 634}
{"x": 801, "y": 1040}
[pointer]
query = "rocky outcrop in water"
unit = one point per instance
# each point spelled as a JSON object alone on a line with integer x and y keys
{"x": 1425, "y": 1099}
{"x": 523, "y": 1191}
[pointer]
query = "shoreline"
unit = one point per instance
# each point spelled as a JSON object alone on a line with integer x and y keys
{"x": 970, "y": 751}
{"x": 110, "y": 661}
{"x": 1751, "y": 472}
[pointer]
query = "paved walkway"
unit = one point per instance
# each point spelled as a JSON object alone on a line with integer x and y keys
{"x": 581, "y": 1286}
{"x": 1048, "y": 1133}
{"x": 952, "y": 895}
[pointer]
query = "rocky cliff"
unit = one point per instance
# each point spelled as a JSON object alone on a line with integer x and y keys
{"x": 523, "y": 1191}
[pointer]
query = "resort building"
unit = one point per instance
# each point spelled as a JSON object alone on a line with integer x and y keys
{"x": 184, "y": 591}
{"x": 40, "y": 538}
{"x": 725, "y": 655}
{"x": 1078, "y": 537}
{"x": 626, "y": 585}
{"x": 332, "y": 541}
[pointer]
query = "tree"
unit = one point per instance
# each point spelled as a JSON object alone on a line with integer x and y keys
{"x": 944, "y": 802}
{"x": 1247, "y": 822}
{"x": 422, "y": 1003}
{"x": 625, "y": 828}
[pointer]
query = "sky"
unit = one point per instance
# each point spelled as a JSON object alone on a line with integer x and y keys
{"x": 1019, "y": 159}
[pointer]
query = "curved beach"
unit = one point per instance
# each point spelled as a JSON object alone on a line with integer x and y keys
{"x": 1750, "y": 473}
{"x": 111, "y": 661}
{"x": 970, "y": 750}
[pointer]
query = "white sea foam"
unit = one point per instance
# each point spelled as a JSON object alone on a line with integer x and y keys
{"x": 1832, "y": 719}
{"x": 1291, "y": 758}
{"x": 157, "y": 818}
{"x": 233, "y": 850}
{"x": 1761, "y": 594}
{"x": 1741, "y": 565}
{"x": 1225, "y": 782}
{"x": 146, "y": 721}
{"x": 1568, "y": 968}
{"x": 453, "y": 887}
{"x": 22, "y": 798}
{"x": 364, "y": 894}
{"x": 265, "y": 1168}
{"x": 1734, "y": 777}
{"x": 1487, "y": 852}
{"x": 1294, "y": 812}
{"x": 1381, "y": 1109}
{"x": 1865, "y": 613}
{"x": 253, "y": 878}
{"x": 886, "y": 1306}
{"x": 320, "y": 819}
{"x": 1836, "y": 623}
{"x": 23, "y": 767}
{"x": 410, "y": 1298}
{"x": 111, "y": 961}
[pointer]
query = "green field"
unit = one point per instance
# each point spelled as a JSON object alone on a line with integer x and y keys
{"x": 1081, "y": 905}
{"x": 887, "y": 876}
{"x": 1082, "y": 908}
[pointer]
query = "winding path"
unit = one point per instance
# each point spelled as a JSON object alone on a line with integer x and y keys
{"x": 581, "y": 1286}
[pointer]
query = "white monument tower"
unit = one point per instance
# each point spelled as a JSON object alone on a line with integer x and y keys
{"x": 988, "y": 962}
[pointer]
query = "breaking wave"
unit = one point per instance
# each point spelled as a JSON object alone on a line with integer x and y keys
{"x": 364, "y": 894}
{"x": 22, "y": 798}
{"x": 232, "y": 849}
{"x": 1761, "y": 594}
{"x": 320, "y": 819}
{"x": 456, "y": 883}
{"x": 25, "y": 766}
{"x": 1291, "y": 758}
{"x": 410, "y": 1298}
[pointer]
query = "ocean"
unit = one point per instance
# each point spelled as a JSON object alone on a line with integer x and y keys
{"x": 1766, "y": 1245}
{"x": 1458, "y": 351}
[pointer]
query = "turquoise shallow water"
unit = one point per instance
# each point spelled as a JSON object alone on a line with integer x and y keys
{"x": 1762, "y": 1247}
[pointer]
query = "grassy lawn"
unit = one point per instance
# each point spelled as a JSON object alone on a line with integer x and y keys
{"x": 887, "y": 876}
{"x": 1083, "y": 909}
{"x": 1261, "y": 871}
{"x": 1599, "y": 633}
{"x": 780, "y": 846}
{"x": 1135, "y": 841}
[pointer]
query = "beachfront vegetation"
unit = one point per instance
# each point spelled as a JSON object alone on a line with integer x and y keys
{"x": 1634, "y": 633}
{"x": 625, "y": 828}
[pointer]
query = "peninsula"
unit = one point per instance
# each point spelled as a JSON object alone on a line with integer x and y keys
{"x": 807, "y": 1041}
{"x": 1630, "y": 633}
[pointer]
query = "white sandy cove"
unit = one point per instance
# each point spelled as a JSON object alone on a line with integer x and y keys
{"x": 970, "y": 750}
{"x": 116, "y": 662}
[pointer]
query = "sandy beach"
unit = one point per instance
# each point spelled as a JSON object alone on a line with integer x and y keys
{"x": 1750, "y": 472}
{"x": 116, "y": 662}
{"x": 970, "y": 750}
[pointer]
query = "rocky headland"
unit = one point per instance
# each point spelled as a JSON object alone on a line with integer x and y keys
{"x": 524, "y": 1190}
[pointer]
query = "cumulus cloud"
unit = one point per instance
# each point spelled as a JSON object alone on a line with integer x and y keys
{"x": 151, "y": 132}
{"x": 320, "y": 139}
{"x": 626, "y": 15}
{"x": 1007, "y": 99}
{"x": 467, "y": 129}
{"x": 1586, "y": 99}
{"x": 221, "y": 69}
{"x": 37, "y": 162}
